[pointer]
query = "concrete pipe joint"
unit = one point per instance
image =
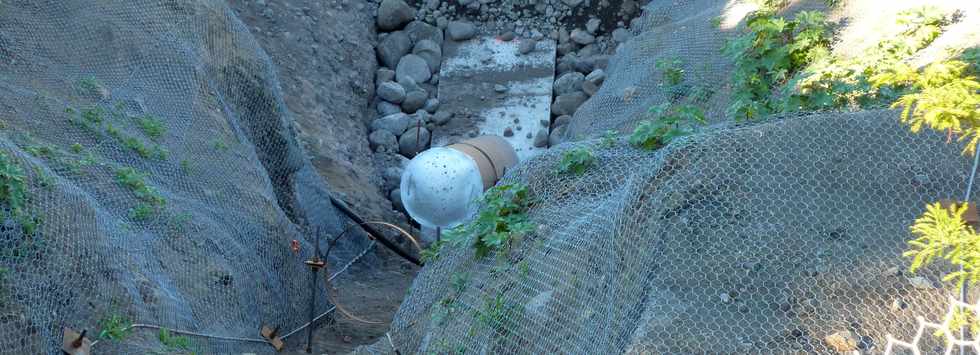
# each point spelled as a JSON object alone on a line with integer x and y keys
{"x": 440, "y": 186}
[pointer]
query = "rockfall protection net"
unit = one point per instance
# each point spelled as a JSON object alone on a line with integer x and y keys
{"x": 150, "y": 174}
{"x": 772, "y": 237}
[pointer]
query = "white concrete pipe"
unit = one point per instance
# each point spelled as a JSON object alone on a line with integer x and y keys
{"x": 440, "y": 186}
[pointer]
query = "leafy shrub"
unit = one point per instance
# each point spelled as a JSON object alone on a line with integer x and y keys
{"x": 502, "y": 220}
{"x": 575, "y": 161}
{"x": 835, "y": 82}
{"x": 771, "y": 52}
{"x": 653, "y": 134}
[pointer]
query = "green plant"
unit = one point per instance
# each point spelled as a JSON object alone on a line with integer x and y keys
{"x": 173, "y": 342}
{"x": 835, "y": 82}
{"x": 114, "y": 327}
{"x": 431, "y": 254}
{"x": 608, "y": 139}
{"x": 93, "y": 114}
{"x": 943, "y": 233}
{"x": 575, "y": 161}
{"x": 501, "y": 221}
{"x": 151, "y": 201}
{"x": 668, "y": 124}
{"x": 716, "y": 22}
{"x": 151, "y": 126}
{"x": 76, "y": 148}
{"x": 771, "y": 52}
{"x": 219, "y": 144}
{"x": 671, "y": 70}
{"x": 89, "y": 85}
{"x": 943, "y": 96}
{"x": 14, "y": 195}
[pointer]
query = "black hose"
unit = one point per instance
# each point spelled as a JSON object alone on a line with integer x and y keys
{"x": 373, "y": 232}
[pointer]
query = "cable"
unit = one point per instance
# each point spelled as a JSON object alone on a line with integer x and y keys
{"x": 250, "y": 340}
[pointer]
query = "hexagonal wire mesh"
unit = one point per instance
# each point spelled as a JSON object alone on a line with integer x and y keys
{"x": 158, "y": 161}
{"x": 753, "y": 238}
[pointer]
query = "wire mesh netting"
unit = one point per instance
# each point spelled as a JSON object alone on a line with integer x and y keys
{"x": 150, "y": 174}
{"x": 781, "y": 236}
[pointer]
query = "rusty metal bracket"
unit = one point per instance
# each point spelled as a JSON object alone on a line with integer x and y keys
{"x": 272, "y": 336}
{"x": 75, "y": 343}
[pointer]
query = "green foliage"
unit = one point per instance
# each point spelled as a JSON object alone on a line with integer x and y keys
{"x": 943, "y": 96}
{"x": 173, "y": 342}
{"x": 219, "y": 144}
{"x": 961, "y": 318}
{"x": 114, "y": 327}
{"x": 76, "y": 148}
{"x": 431, "y": 254}
{"x": 151, "y": 126}
{"x": 93, "y": 115}
{"x": 14, "y": 195}
{"x": 575, "y": 161}
{"x": 608, "y": 139}
{"x": 495, "y": 312}
{"x": 943, "y": 233}
{"x": 501, "y": 221}
{"x": 716, "y": 22}
{"x": 89, "y": 85}
{"x": 671, "y": 70}
{"x": 771, "y": 52}
{"x": 144, "y": 151}
{"x": 668, "y": 124}
{"x": 150, "y": 200}
{"x": 833, "y": 83}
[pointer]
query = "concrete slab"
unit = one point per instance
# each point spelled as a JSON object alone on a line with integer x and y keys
{"x": 470, "y": 82}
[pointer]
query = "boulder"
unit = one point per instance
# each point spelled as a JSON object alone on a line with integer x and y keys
{"x": 382, "y": 138}
{"x": 442, "y": 117}
{"x": 567, "y": 104}
{"x": 392, "y": 92}
{"x": 414, "y": 67}
{"x": 395, "y": 123}
{"x": 414, "y": 141}
{"x": 582, "y": 37}
{"x": 386, "y": 108}
{"x": 414, "y": 101}
{"x": 541, "y": 138}
{"x": 431, "y": 105}
{"x": 460, "y": 31}
{"x": 431, "y": 52}
{"x": 568, "y": 83}
{"x": 392, "y": 48}
{"x": 418, "y": 31}
{"x": 597, "y": 76}
{"x": 394, "y": 14}
{"x": 843, "y": 341}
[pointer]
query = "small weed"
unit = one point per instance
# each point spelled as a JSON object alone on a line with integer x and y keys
{"x": 76, "y": 148}
{"x": 151, "y": 126}
{"x": 575, "y": 161}
{"x": 666, "y": 126}
{"x": 432, "y": 253}
{"x": 459, "y": 282}
{"x": 716, "y": 22}
{"x": 501, "y": 221}
{"x": 608, "y": 139}
{"x": 114, "y": 327}
{"x": 219, "y": 144}
{"x": 150, "y": 200}
{"x": 93, "y": 115}
{"x": 89, "y": 85}
{"x": 671, "y": 70}
{"x": 185, "y": 166}
{"x": 13, "y": 193}
{"x": 43, "y": 179}
{"x": 173, "y": 342}
{"x": 41, "y": 151}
